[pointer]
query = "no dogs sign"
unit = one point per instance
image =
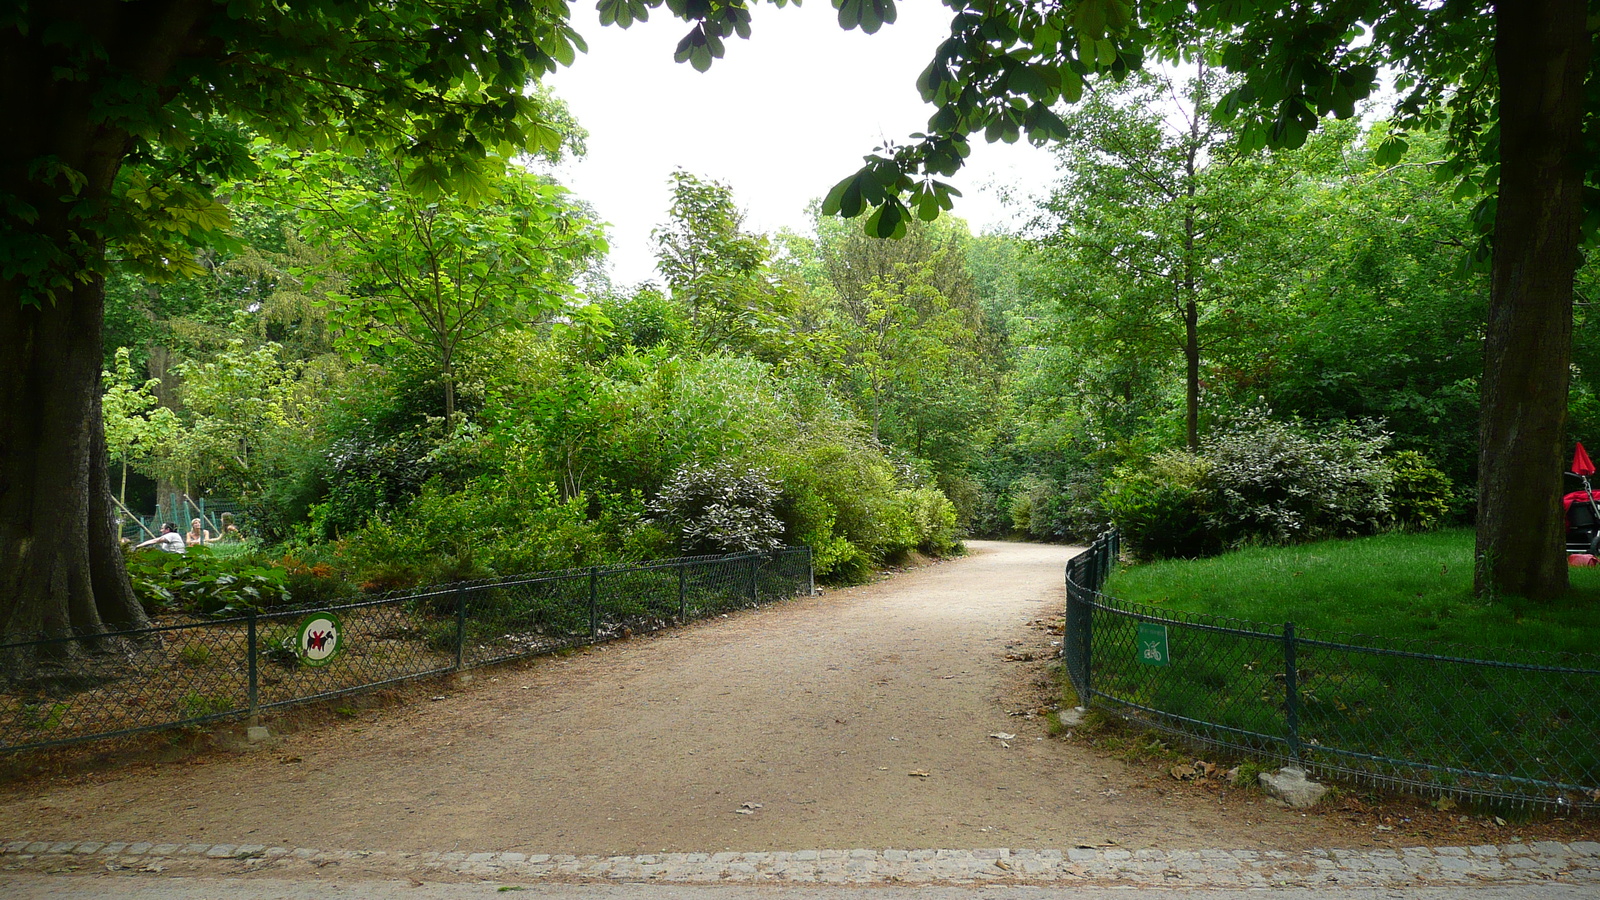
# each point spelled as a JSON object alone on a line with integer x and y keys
{"x": 321, "y": 638}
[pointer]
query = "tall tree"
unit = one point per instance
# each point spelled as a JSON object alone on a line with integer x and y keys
{"x": 88, "y": 87}
{"x": 718, "y": 272}
{"x": 916, "y": 349}
{"x": 439, "y": 273}
{"x": 1510, "y": 81}
{"x": 1161, "y": 236}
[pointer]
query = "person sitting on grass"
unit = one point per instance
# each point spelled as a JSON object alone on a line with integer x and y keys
{"x": 169, "y": 540}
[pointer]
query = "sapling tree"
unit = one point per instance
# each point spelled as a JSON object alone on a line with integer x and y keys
{"x": 438, "y": 272}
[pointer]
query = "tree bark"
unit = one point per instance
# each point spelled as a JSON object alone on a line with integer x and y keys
{"x": 1542, "y": 51}
{"x": 61, "y": 567}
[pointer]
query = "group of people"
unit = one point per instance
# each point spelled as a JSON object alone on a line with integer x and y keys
{"x": 172, "y": 542}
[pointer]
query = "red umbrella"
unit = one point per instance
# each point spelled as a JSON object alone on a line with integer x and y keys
{"x": 1580, "y": 462}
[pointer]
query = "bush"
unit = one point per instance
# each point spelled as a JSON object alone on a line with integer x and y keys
{"x": 494, "y": 526}
{"x": 812, "y": 522}
{"x": 842, "y": 499}
{"x": 1030, "y": 504}
{"x": 202, "y": 584}
{"x": 1420, "y": 495}
{"x": 1260, "y": 481}
{"x": 313, "y": 582}
{"x": 933, "y": 521}
{"x": 1277, "y": 482}
{"x": 1163, "y": 508}
{"x": 720, "y": 509}
{"x": 1043, "y": 508}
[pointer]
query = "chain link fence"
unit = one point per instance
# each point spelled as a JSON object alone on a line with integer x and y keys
{"x": 66, "y": 690}
{"x": 1521, "y": 728}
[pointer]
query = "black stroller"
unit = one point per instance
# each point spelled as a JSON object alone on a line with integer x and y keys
{"x": 1583, "y": 508}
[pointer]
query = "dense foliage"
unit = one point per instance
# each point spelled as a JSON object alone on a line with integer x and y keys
{"x": 1203, "y": 342}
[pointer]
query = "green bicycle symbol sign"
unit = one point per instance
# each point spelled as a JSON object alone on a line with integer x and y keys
{"x": 1153, "y": 649}
{"x": 321, "y": 639}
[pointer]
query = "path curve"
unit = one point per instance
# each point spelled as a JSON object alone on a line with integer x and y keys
{"x": 862, "y": 718}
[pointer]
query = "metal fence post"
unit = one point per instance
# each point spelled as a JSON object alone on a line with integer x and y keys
{"x": 811, "y": 575}
{"x": 1077, "y": 633}
{"x": 594, "y": 603}
{"x": 461, "y": 625}
{"x": 683, "y": 590}
{"x": 755, "y": 578}
{"x": 1291, "y": 689}
{"x": 254, "y": 678}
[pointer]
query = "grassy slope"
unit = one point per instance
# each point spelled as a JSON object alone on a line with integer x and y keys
{"x": 1401, "y": 586}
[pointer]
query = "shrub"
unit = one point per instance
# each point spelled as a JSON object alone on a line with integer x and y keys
{"x": 200, "y": 583}
{"x": 1260, "y": 481}
{"x": 812, "y": 522}
{"x": 492, "y": 527}
{"x": 720, "y": 509}
{"x": 1420, "y": 495}
{"x": 841, "y": 498}
{"x": 1163, "y": 507}
{"x": 312, "y": 583}
{"x": 1030, "y": 503}
{"x": 1277, "y": 482}
{"x": 933, "y": 520}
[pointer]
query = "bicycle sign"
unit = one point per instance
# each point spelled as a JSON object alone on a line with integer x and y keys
{"x": 1153, "y": 648}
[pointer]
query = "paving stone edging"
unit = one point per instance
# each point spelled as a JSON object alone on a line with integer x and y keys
{"x": 1577, "y": 862}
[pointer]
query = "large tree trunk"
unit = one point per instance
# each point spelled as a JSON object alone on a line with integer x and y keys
{"x": 1542, "y": 50}
{"x": 61, "y": 567}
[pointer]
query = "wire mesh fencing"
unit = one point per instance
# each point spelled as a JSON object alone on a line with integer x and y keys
{"x": 1521, "y": 728}
{"x": 67, "y": 690}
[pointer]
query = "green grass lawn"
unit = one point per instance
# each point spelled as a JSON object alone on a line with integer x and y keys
{"x": 1406, "y": 715}
{"x": 1396, "y": 586}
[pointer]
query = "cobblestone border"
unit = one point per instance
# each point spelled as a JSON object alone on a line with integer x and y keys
{"x": 1578, "y": 862}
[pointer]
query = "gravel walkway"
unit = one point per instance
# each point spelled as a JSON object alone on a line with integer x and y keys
{"x": 895, "y": 715}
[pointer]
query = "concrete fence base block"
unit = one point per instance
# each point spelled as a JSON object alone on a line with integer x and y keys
{"x": 1291, "y": 785}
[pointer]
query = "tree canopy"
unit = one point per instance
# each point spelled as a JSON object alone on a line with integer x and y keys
{"x": 127, "y": 116}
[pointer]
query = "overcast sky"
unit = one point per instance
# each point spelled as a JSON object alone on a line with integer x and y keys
{"x": 781, "y": 118}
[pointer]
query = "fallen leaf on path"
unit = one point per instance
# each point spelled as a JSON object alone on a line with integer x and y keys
{"x": 749, "y": 805}
{"x": 1003, "y": 736}
{"x": 918, "y": 774}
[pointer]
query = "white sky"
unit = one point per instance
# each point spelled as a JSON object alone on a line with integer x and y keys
{"x": 780, "y": 118}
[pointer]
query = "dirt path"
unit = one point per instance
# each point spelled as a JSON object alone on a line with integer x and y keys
{"x": 817, "y": 710}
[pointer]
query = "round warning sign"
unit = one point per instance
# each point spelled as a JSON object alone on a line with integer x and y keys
{"x": 321, "y": 638}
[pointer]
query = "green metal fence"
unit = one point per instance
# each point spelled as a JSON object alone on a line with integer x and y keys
{"x": 1520, "y": 728}
{"x": 63, "y": 691}
{"x": 214, "y": 513}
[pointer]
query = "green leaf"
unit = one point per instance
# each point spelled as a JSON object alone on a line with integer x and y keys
{"x": 1390, "y": 151}
{"x": 1071, "y": 85}
{"x": 844, "y": 199}
{"x": 889, "y": 221}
